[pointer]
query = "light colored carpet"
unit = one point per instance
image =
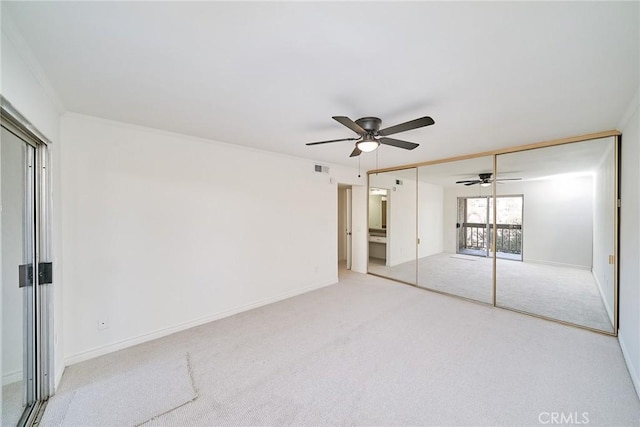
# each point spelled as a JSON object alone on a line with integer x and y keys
{"x": 562, "y": 293}
{"x": 12, "y": 407}
{"x": 127, "y": 398}
{"x": 369, "y": 351}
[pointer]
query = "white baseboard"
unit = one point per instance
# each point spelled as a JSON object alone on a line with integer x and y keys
{"x": 110, "y": 348}
{"x": 16, "y": 376}
{"x": 57, "y": 379}
{"x": 558, "y": 264}
{"x": 603, "y": 297}
{"x": 635, "y": 379}
{"x": 11, "y": 377}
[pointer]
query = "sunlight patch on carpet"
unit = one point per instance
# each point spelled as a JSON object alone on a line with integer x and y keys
{"x": 129, "y": 398}
{"x": 465, "y": 257}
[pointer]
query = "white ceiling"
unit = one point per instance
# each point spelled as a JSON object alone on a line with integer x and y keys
{"x": 271, "y": 74}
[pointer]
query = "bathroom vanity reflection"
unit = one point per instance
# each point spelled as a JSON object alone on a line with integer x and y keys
{"x": 378, "y": 224}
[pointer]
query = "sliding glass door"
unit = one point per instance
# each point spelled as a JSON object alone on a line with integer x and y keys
{"x": 475, "y": 226}
{"x": 474, "y": 234}
{"x": 25, "y": 314}
{"x": 18, "y": 258}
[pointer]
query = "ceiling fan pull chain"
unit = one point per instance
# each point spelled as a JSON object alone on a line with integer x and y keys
{"x": 358, "y": 166}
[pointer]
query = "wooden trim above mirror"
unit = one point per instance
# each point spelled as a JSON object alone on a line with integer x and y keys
{"x": 517, "y": 148}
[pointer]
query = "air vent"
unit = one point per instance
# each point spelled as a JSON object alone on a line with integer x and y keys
{"x": 398, "y": 182}
{"x": 321, "y": 169}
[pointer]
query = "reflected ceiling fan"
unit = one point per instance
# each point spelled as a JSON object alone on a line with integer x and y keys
{"x": 485, "y": 180}
{"x": 371, "y": 136}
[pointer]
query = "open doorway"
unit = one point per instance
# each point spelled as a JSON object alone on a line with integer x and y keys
{"x": 475, "y": 226}
{"x": 345, "y": 233}
{"x": 378, "y": 230}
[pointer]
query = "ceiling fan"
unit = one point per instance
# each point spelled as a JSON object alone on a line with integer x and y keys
{"x": 485, "y": 180}
{"x": 371, "y": 136}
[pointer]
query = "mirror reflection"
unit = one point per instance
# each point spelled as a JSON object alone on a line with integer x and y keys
{"x": 454, "y": 228}
{"x": 557, "y": 208}
{"x": 378, "y": 225}
{"x": 392, "y": 225}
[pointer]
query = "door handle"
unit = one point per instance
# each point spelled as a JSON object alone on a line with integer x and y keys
{"x": 25, "y": 275}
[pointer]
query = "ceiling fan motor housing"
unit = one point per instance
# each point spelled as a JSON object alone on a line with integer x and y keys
{"x": 485, "y": 176}
{"x": 370, "y": 124}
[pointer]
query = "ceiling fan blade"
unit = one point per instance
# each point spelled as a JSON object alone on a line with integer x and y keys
{"x": 474, "y": 181}
{"x": 356, "y": 152}
{"x": 402, "y": 127}
{"x": 332, "y": 140}
{"x": 346, "y": 121}
{"x": 507, "y": 179}
{"x": 398, "y": 143}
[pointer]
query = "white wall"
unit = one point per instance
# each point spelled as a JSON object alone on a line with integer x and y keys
{"x": 430, "y": 219}
{"x": 360, "y": 232}
{"x": 629, "y": 294}
{"x": 27, "y": 89}
{"x": 558, "y": 221}
{"x": 375, "y": 210}
{"x": 163, "y": 231}
{"x": 604, "y": 227}
{"x": 23, "y": 88}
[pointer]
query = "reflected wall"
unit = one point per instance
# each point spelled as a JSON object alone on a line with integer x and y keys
{"x": 392, "y": 225}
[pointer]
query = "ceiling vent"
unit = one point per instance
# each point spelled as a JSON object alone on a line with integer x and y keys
{"x": 321, "y": 169}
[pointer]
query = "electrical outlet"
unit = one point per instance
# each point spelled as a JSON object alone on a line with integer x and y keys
{"x": 102, "y": 324}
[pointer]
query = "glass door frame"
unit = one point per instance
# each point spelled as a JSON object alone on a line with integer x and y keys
{"x": 488, "y": 226}
{"x": 41, "y": 315}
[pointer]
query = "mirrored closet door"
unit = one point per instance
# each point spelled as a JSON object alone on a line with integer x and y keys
{"x": 531, "y": 229}
{"x": 392, "y": 225}
{"x": 454, "y": 228}
{"x": 559, "y": 208}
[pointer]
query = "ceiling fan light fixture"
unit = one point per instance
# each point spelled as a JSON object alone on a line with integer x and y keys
{"x": 367, "y": 145}
{"x": 485, "y": 184}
